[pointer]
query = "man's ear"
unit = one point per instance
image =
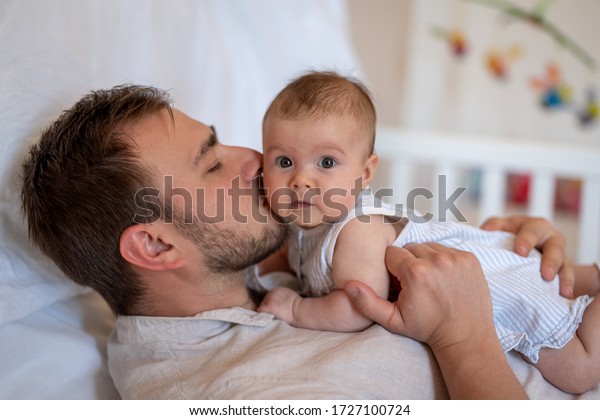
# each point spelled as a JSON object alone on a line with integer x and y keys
{"x": 369, "y": 169}
{"x": 143, "y": 246}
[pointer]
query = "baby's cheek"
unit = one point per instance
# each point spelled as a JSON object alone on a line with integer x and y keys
{"x": 279, "y": 200}
{"x": 275, "y": 187}
{"x": 270, "y": 184}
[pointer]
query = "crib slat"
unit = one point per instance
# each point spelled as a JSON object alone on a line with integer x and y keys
{"x": 589, "y": 228}
{"x": 493, "y": 191}
{"x": 400, "y": 176}
{"x": 445, "y": 184}
{"x": 541, "y": 198}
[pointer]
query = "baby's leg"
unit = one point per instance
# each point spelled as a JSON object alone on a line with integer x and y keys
{"x": 576, "y": 367}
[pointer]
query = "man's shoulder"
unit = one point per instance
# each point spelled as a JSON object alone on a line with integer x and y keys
{"x": 274, "y": 361}
{"x": 132, "y": 329}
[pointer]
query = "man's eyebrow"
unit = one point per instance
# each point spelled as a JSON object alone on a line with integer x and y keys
{"x": 205, "y": 147}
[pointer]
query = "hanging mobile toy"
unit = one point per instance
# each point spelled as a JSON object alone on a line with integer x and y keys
{"x": 458, "y": 42}
{"x": 497, "y": 62}
{"x": 536, "y": 17}
{"x": 554, "y": 91}
{"x": 455, "y": 38}
{"x": 589, "y": 114}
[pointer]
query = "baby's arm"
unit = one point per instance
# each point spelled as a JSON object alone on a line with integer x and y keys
{"x": 359, "y": 255}
{"x": 587, "y": 280}
{"x": 333, "y": 312}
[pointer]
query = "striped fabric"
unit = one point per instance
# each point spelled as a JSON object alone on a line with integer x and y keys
{"x": 310, "y": 251}
{"x": 529, "y": 313}
{"x": 307, "y": 260}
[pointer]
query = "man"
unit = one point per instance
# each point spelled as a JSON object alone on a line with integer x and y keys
{"x": 143, "y": 204}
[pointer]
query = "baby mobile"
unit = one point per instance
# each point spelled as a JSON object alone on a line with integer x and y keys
{"x": 554, "y": 92}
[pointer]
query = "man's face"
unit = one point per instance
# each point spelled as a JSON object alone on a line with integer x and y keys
{"x": 212, "y": 188}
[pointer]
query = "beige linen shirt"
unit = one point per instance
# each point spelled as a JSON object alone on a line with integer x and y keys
{"x": 241, "y": 354}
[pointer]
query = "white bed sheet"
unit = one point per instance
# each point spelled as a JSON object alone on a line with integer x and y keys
{"x": 58, "y": 352}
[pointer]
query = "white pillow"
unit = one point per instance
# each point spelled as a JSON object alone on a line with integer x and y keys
{"x": 33, "y": 81}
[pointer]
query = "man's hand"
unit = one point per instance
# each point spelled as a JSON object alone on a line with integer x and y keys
{"x": 539, "y": 233}
{"x": 444, "y": 298}
{"x": 445, "y": 302}
{"x": 280, "y": 302}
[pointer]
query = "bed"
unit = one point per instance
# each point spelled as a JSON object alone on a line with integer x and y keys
{"x": 222, "y": 61}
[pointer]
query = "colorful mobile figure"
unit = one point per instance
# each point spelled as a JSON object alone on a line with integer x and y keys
{"x": 497, "y": 62}
{"x": 458, "y": 42}
{"x": 455, "y": 38}
{"x": 554, "y": 91}
{"x": 589, "y": 114}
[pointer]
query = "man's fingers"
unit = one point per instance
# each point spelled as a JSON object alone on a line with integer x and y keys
{"x": 374, "y": 307}
{"x": 423, "y": 250}
{"x": 553, "y": 257}
{"x": 395, "y": 258}
{"x": 499, "y": 223}
{"x": 538, "y": 232}
{"x": 566, "y": 278}
{"x": 533, "y": 234}
{"x": 552, "y": 249}
{"x": 428, "y": 250}
{"x": 525, "y": 242}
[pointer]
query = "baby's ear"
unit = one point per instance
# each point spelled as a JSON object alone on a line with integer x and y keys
{"x": 146, "y": 247}
{"x": 369, "y": 169}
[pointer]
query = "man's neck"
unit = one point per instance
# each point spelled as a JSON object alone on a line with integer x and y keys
{"x": 173, "y": 297}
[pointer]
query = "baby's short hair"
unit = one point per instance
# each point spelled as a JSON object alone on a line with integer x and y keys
{"x": 319, "y": 94}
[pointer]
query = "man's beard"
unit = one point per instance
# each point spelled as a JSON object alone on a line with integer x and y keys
{"x": 229, "y": 250}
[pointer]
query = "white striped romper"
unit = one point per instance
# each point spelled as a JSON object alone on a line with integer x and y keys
{"x": 529, "y": 313}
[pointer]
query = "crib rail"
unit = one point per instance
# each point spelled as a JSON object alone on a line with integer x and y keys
{"x": 496, "y": 157}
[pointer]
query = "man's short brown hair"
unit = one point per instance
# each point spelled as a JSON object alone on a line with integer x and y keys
{"x": 79, "y": 186}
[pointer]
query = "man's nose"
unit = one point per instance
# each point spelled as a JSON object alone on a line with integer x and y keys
{"x": 250, "y": 163}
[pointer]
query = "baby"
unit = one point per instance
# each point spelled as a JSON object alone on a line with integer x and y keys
{"x": 318, "y": 143}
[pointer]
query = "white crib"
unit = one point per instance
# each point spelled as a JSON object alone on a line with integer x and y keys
{"x": 402, "y": 152}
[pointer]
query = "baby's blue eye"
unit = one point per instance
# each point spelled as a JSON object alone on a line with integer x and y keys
{"x": 284, "y": 162}
{"x": 327, "y": 162}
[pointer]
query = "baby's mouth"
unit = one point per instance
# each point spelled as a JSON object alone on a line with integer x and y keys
{"x": 299, "y": 205}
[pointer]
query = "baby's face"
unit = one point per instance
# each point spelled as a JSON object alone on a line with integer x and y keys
{"x": 314, "y": 169}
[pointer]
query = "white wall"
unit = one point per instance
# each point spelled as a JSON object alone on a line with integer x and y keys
{"x": 379, "y": 30}
{"x": 419, "y": 84}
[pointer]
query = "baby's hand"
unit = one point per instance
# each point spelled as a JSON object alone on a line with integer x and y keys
{"x": 280, "y": 302}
